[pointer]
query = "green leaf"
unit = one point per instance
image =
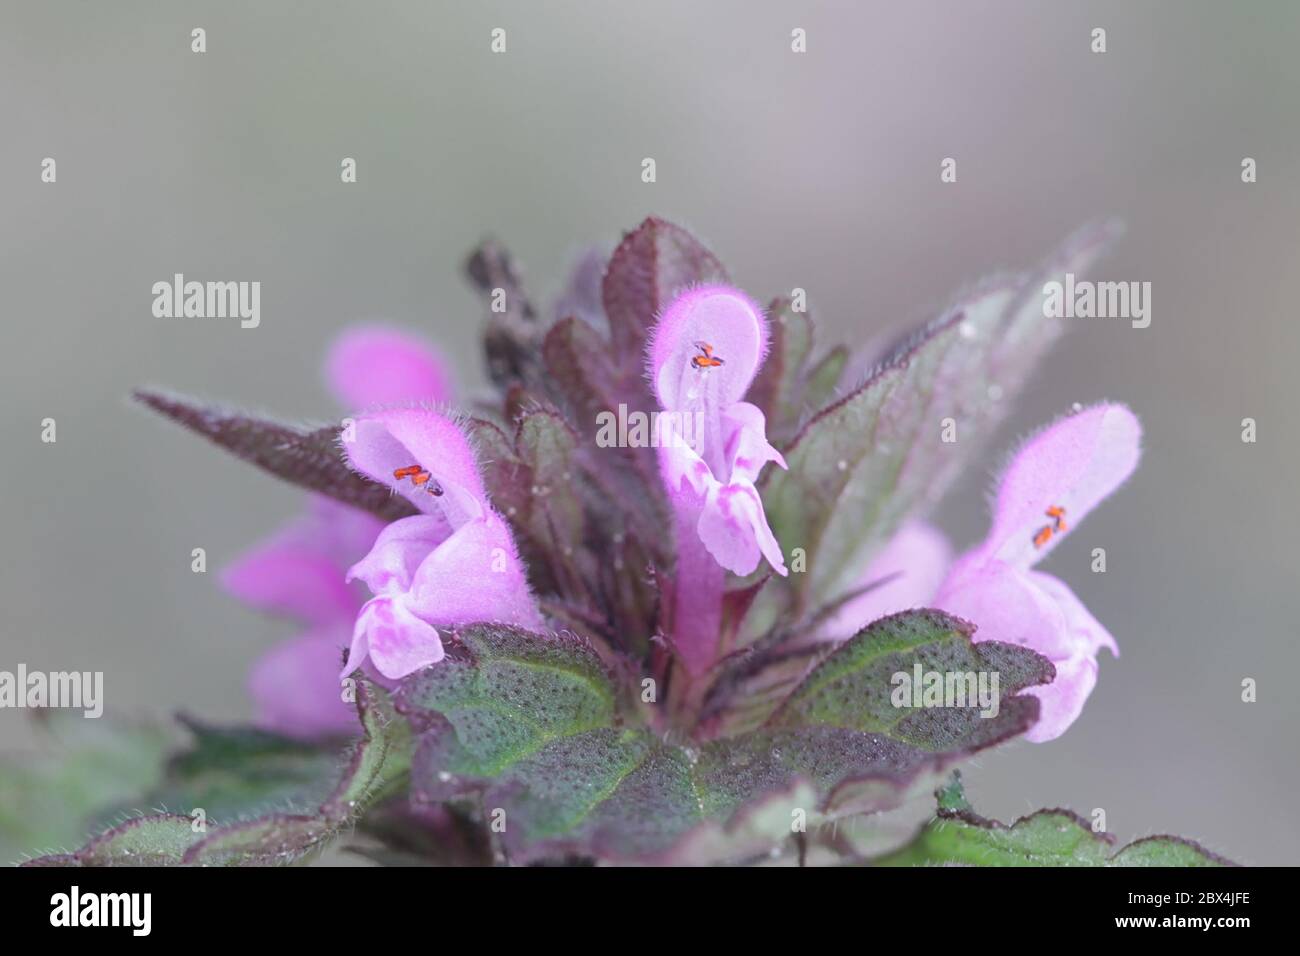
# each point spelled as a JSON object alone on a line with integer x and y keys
{"x": 240, "y": 772}
{"x": 500, "y": 695}
{"x": 959, "y": 837}
{"x": 235, "y": 773}
{"x": 159, "y": 840}
{"x": 789, "y": 385}
{"x": 275, "y": 840}
{"x": 862, "y": 466}
{"x": 853, "y": 687}
{"x": 308, "y": 457}
{"x": 824, "y": 377}
{"x": 379, "y": 763}
{"x": 52, "y": 797}
{"x": 531, "y": 724}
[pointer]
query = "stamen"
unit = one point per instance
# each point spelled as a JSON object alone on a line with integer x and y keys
{"x": 706, "y": 358}
{"x": 1058, "y": 526}
{"x": 420, "y": 478}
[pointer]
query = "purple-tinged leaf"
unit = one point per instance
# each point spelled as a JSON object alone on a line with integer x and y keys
{"x": 957, "y": 836}
{"x": 532, "y": 725}
{"x": 590, "y": 388}
{"x": 651, "y": 265}
{"x": 862, "y": 466}
{"x": 513, "y": 336}
{"x": 276, "y": 840}
{"x": 778, "y": 388}
{"x": 581, "y": 298}
{"x": 308, "y": 457}
{"x": 373, "y": 767}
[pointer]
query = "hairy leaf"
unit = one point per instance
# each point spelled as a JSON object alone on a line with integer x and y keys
{"x": 309, "y": 457}
{"x": 853, "y": 687}
{"x": 84, "y": 771}
{"x": 547, "y": 446}
{"x": 790, "y": 385}
{"x": 234, "y": 773}
{"x": 959, "y": 837}
{"x": 653, "y": 263}
{"x": 581, "y": 296}
{"x": 500, "y": 695}
{"x": 513, "y": 336}
{"x": 859, "y": 468}
{"x": 591, "y": 390}
{"x": 228, "y": 767}
{"x": 532, "y": 726}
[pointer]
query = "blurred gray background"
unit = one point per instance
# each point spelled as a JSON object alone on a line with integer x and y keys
{"x": 817, "y": 170}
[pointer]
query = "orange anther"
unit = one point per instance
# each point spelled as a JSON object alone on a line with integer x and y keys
{"x": 706, "y": 358}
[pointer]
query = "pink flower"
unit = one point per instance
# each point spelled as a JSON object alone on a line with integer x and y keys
{"x": 905, "y": 574}
{"x": 453, "y": 564}
{"x": 373, "y": 364}
{"x": 703, "y": 354}
{"x": 1053, "y": 482}
{"x": 299, "y": 571}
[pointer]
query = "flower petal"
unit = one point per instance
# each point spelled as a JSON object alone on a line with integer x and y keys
{"x": 735, "y": 530}
{"x": 295, "y": 687}
{"x": 398, "y": 552}
{"x": 683, "y": 470}
{"x": 1061, "y": 701}
{"x": 298, "y": 570}
{"x": 700, "y": 327}
{"x": 392, "y": 439}
{"x": 1073, "y": 464}
{"x": 912, "y": 567}
{"x": 372, "y": 365}
{"x": 1005, "y": 604}
{"x": 748, "y": 449}
{"x": 393, "y": 639}
{"x": 475, "y": 575}
{"x": 1088, "y": 633}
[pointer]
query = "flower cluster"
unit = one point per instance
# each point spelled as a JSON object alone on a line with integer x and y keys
{"x": 656, "y": 644}
{"x": 456, "y": 561}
